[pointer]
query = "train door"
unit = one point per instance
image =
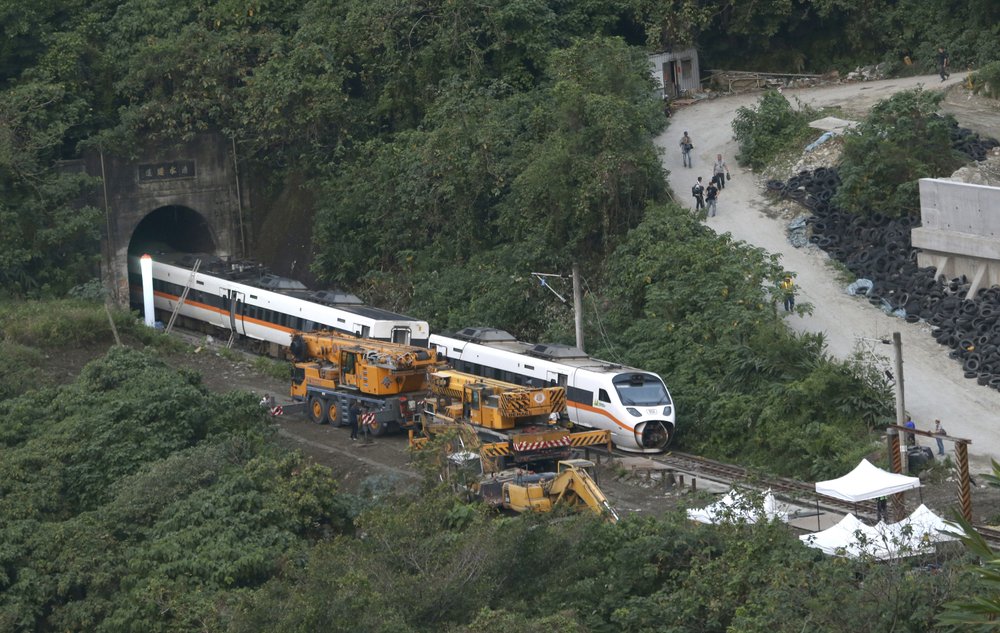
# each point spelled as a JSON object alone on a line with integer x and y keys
{"x": 237, "y": 305}
{"x": 401, "y": 335}
{"x": 362, "y": 331}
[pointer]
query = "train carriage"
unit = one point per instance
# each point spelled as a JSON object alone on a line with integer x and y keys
{"x": 244, "y": 298}
{"x": 633, "y": 404}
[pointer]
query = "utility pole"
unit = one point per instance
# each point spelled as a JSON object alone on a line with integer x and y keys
{"x": 897, "y": 348}
{"x": 577, "y": 299}
{"x": 578, "y": 306}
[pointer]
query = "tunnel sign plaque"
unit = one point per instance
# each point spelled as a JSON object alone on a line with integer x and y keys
{"x": 167, "y": 170}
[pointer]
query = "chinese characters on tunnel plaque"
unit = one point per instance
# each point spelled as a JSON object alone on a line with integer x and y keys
{"x": 166, "y": 170}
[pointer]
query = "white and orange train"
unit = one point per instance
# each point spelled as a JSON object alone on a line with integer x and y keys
{"x": 631, "y": 403}
{"x": 244, "y": 298}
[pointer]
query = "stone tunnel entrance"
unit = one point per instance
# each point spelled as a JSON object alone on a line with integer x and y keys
{"x": 172, "y": 228}
{"x": 184, "y": 197}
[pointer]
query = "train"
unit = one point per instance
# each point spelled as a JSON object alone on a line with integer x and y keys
{"x": 245, "y": 299}
{"x": 633, "y": 404}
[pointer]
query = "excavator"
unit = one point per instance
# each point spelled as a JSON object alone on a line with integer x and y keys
{"x": 334, "y": 370}
{"x": 514, "y": 424}
{"x": 571, "y": 486}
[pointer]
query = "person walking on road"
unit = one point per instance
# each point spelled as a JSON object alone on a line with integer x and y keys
{"x": 686, "y": 147}
{"x": 939, "y": 430}
{"x": 352, "y": 419}
{"x": 698, "y": 191}
{"x": 720, "y": 171}
{"x": 711, "y": 197}
{"x": 942, "y": 64}
{"x": 788, "y": 292}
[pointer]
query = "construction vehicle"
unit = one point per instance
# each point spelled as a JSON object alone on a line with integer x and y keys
{"x": 334, "y": 370}
{"x": 515, "y": 425}
{"x": 571, "y": 486}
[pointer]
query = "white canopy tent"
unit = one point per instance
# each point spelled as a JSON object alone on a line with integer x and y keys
{"x": 912, "y": 536}
{"x": 866, "y": 482}
{"x": 738, "y": 506}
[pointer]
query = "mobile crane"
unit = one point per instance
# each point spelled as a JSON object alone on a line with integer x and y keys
{"x": 515, "y": 425}
{"x": 333, "y": 370}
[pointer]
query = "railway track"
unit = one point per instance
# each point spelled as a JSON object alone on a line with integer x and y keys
{"x": 799, "y": 492}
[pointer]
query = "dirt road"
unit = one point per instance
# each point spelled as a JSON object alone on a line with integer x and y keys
{"x": 934, "y": 384}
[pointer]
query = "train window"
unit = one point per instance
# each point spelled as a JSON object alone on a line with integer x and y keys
{"x": 529, "y": 366}
{"x": 339, "y": 320}
{"x": 602, "y": 395}
{"x": 200, "y": 282}
{"x": 253, "y": 296}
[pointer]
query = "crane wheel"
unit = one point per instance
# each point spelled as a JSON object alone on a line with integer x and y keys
{"x": 332, "y": 412}
{"x": 317, "y": 411}
{"x": 379, "y": 429}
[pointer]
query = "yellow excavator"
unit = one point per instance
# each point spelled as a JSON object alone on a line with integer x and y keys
{"x": 571, "y": 486}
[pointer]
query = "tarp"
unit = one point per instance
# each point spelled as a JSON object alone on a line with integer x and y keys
{"x": 738, "y": 506}
{"x": 866, "y": 482}
{"x": 912, "y": 536}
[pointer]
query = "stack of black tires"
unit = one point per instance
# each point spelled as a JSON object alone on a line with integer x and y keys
{"x": 878, "y": 248}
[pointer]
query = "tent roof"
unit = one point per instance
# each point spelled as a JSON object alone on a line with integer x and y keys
{"x": 737, "y": 506}
{"x": 912, "y": 536}
{"x": 866, "y": 482}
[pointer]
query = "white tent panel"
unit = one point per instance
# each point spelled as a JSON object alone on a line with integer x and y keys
{"x": 866, "y": 482}
{"x": 914, "y": 535}
{"x": 735, "y": 506}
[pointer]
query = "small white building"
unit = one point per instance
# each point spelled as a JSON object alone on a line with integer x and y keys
{"x": 676, "y": 72}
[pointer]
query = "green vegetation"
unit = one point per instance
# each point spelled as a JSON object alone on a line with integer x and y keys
{"x": 135, "y": 500}
{"x": 986, "y": 80}
{"x": 901, "y": 140}
{"x": 770, "y": 128}
{"x": 702, "y": 313}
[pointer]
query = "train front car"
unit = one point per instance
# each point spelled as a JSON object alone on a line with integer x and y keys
{"x": 643, "y": 412}
{"x": 631, "y": 403}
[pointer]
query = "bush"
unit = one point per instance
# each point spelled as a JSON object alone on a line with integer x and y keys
{"x": 986, "y": 80}
{"x": 902, "y": 140}
{"x": 772, "y": 126}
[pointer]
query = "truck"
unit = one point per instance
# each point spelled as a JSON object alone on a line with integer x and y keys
{"x": 512, "y": 425}
{"x": 331, "y": 371}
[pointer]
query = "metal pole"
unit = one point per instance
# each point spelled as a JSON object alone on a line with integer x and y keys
{"x": 897, "y": 348}
{"x": 239, "y": 200}
{"x": 578, "y": 306}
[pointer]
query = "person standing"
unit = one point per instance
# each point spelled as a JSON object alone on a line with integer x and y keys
{"x": 352, "y": 418}
{"x": 788, "y": 292}
{"x": 698, "y": 191}
{"x": 942, "y": 64}
{"x": 711, "y": 197}
{"x": 911, "y": 438}
{"x": 720, "y": 171}
{"x": 939, "y": 430}
{"x": 686, "y": 147}
{"x": 882, "y": 509}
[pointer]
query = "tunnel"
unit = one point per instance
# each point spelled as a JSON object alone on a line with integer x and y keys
{"x": 173, "y": 228}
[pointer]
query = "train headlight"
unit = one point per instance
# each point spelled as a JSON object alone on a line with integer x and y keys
{"x": 667, "y": 410}
{"x": 633, "y": 411}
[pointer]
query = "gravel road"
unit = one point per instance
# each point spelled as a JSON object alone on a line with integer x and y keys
{"x": 934, "y": 384}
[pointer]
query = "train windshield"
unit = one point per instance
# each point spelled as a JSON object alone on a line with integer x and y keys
{"x": 641, "y": 390}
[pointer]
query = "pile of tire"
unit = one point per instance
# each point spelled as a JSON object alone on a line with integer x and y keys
{"x": 970, "y": 144}
{"x": 878, "y": 248}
